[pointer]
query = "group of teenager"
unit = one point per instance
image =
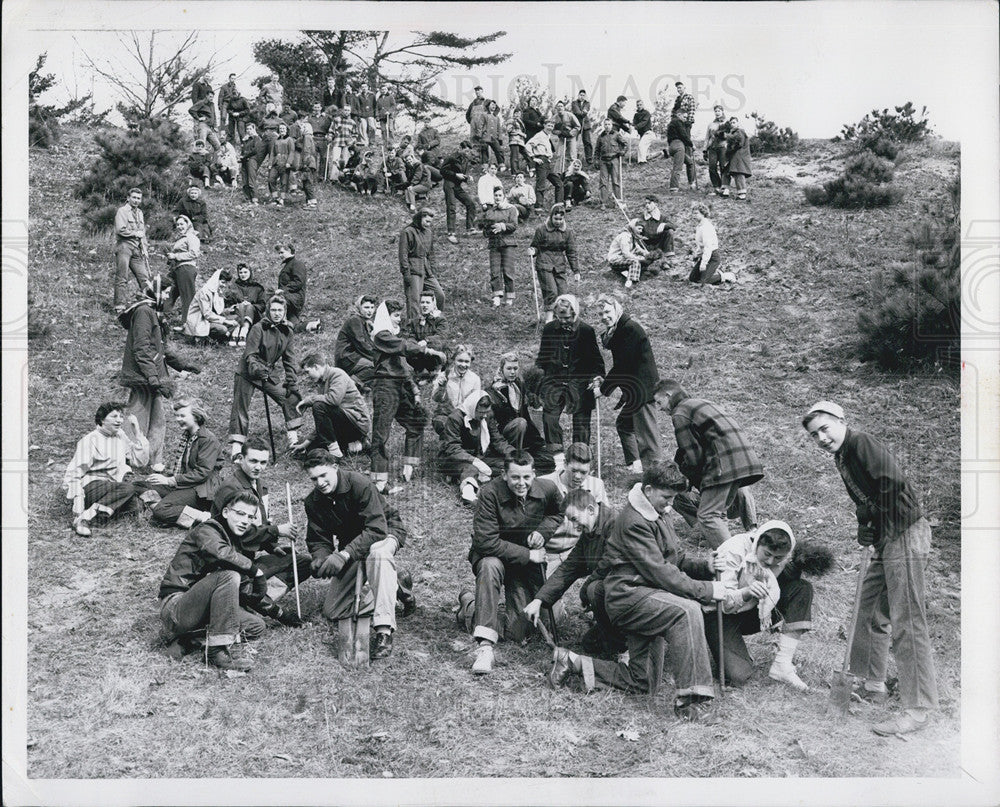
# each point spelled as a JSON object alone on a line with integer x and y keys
{"x": 542, "y": 517}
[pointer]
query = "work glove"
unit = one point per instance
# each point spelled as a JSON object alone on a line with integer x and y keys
{"x": 866, "y": 534}
{"x": 332, "y": 566}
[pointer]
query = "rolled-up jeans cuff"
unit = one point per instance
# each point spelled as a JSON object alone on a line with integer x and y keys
{"x": 489, "y": 634}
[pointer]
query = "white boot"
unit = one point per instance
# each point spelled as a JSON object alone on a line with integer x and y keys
{"x": 635, "y": 467}
{"x": 782, "y": 668}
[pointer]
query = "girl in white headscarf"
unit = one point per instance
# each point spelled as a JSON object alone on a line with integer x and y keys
{"x": 765, "y": 592}
{"x": 472, "y": 447}
{"x": 395, "y": 394}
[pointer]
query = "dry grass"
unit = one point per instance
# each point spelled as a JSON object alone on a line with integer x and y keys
{"x": 105, "y": 703}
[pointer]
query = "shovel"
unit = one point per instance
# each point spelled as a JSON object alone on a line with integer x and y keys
{"x": 354, "y": 631}
{"x": 842, "y": 682}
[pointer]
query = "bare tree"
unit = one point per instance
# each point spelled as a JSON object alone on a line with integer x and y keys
{"x": 153, "y": 74}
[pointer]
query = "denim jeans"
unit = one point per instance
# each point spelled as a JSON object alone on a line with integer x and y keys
{"x": 520, "y": 583}
{"x": 654, "y": 622}
{"x": 892, "y": 609}
{"x": 709, "y": 508}
{"x": 129, "y": 258}
{"x": 681, "y": 159}
{"x": 213, "y": 603}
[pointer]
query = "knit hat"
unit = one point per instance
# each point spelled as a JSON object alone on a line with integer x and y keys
{"x": 824, "y": 408}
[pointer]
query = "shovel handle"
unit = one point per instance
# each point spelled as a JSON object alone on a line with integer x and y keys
{"x": 866, "y": 557}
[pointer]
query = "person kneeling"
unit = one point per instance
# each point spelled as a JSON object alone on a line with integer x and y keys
{"x": 201, "y": 588}
{"x": 340, "y": 413}
{"x": 653, "y": 594}
{"x": 472, "y": 447}
{"x": 764, "y": 591}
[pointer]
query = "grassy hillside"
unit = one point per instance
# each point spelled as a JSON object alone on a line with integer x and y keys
{"x": 104, "y": 702}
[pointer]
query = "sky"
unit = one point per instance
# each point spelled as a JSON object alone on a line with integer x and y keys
{"x": 810, "y": 66}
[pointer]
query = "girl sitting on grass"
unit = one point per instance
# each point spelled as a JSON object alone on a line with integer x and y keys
{"x": 765, "y": 592}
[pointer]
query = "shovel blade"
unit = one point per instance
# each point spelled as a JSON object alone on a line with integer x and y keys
{"x": 362, "y": 634}
{"x": 345, "y": 642}
{"x": 840, "y": 693}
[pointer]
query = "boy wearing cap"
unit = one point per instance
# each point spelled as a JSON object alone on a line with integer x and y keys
{"x": 892, "y": 596}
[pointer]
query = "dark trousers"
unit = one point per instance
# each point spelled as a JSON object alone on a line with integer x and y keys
{"x": 128, "y": 258}
{"x": 491, "y": 145}
{"x": 716, "y": 159}
{"x": 502, "y": 270}
{"x": 558, "y": 397}
{"x": 248, "y": 171}
{"x": 588, "y": 145}
{"x": 575, "y": 189}
{"x": 709, "y": 509}
{"x": 456, "y": 192}
{"x": 334, "y": 425}
{"x": 213, "y": 603}
{"x": 794, "y": 609}
{"x": 592, "y": 597}
{"x": 639, "y": 435}
{"x": 519, "y": 583}
{"x": 413, "y": 286}
{"x": 236, "y": 128}
{"x": 108, "y": 497}
{"x": 183, "y": 279}
{"x": 710, "y": 275}
{"x": 239, "y": 418}
{"x": 682, "y": 159}
{"x": 543, "y": 170}
{"x": 525, "y": 437}
{"x": 656, "y": 621}
{"x": 392, "y": 399}
{"x": 523, "y": 212}
{"x": 307, "y": 178}
{"x": 662, "y": 241}
{"x": 518, "y": 158}
{"x": 280, "y": 567}
{"x": 177, "y": 506}
{"x": 278, "y": 179}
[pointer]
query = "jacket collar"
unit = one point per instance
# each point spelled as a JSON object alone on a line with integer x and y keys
{"x": 535, "y": 491}
{"x": 637, "y": 499}
{"x": 260, "y": 488}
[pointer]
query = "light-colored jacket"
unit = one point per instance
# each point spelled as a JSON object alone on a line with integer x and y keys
{"x": 743, "y": 568}
{"x": 206, "y": 307}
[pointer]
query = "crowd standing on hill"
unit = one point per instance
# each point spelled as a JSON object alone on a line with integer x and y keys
{"x": 541, "y": 512}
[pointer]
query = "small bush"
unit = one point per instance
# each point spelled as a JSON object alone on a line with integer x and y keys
{"x": 901, "y": 126}
{"x": 914, "y": 314}
{"x": 770, "y": 138}
{"x": 146, "y": 157}
{"x": 866, "y": 182}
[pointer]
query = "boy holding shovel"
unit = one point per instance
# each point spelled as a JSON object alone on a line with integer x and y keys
{"x": 891, "y": 604}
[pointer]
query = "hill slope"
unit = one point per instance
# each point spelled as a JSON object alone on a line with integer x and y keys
{"x": 104, "y": 703}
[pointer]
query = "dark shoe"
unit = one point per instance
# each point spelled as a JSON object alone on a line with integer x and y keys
{"x": 382, "y": 647}
{"x": 288, "y": 618}
{"x": 877, "y": 697}
{"x": 229, "y": 657}
{"x": 699, "y": 711}
{"x": 903, "y": 724}
{"x": 404, "y": 594}
{"x": 561, "y": 667}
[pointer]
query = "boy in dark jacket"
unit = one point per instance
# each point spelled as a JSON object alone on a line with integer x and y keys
{"x": 354, "y": 352}
{"x": 892, "y": 608}
{"x": 144, "y": 367}
{"x": 654, "y": 595}
{"x": 201, "y": 588}
{"x": 594, "y": 522}
{"x": 343, "y": 422}
{"x": 349, "y": 525}
{"x": 570, "y": 358}
{"x": 195, "y": 208}
{"x": 634, "y": 372}
{"x": 268, "y": 342}
{"x": 455, "y": 171}
{"x": 416, "y": 262}
{"x": 716, "y": 458}
{"x": 514, "y": 517}
{"x": 186, "y": 495}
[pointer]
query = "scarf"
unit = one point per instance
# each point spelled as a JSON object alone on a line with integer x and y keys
{"x": 468, "y": 408}
{"x": 383, "y": 322}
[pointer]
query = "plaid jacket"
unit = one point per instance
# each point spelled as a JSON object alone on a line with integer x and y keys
{"x": 345, "y": 134}
{"x": 711, "y": 449}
